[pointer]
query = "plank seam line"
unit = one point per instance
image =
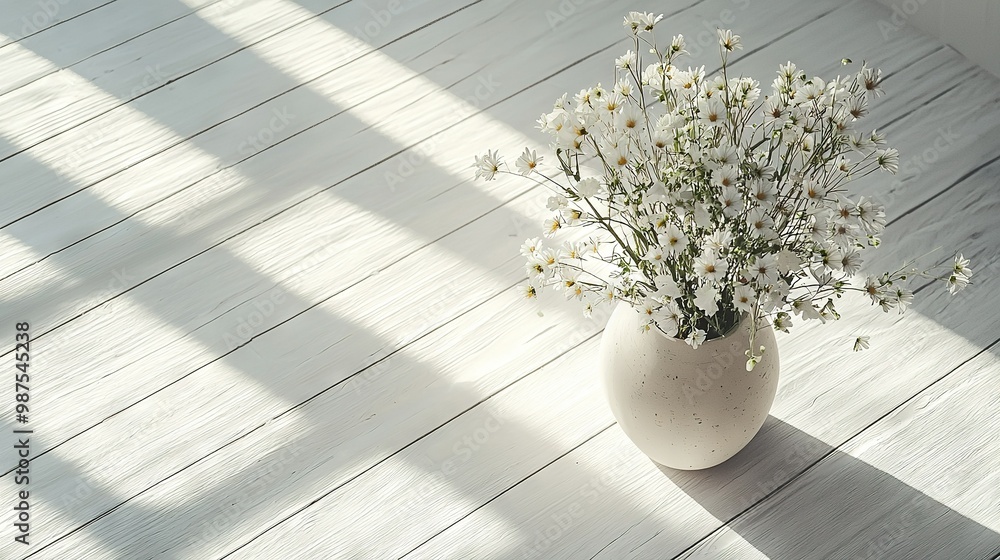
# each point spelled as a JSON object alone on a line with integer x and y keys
{"x": 968, "y": 174}
{"x": 253, "y": 430}
{"x": 536, "y": 471}
{"x": 614, "y": 540}
{"x": 835, "y": 449}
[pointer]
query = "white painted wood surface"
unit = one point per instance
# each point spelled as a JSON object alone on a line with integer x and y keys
{"x": 275, "y": 318}
{"x": 972, "y": 27}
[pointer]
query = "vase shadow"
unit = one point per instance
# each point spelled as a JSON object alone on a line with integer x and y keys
{"x": 841, "y": 507}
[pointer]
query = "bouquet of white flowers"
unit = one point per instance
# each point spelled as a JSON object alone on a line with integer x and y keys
{"x": 713, "y": 201}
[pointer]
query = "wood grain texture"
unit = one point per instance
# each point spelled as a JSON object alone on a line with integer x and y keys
{"x": 920, "y": 483}
{"x": 287, "y": 352}
{"x": 193, "y": 298}
{"x": 24, "y": 19}
{"x": 205, "y": 162}
{"x": 86, "y": 36}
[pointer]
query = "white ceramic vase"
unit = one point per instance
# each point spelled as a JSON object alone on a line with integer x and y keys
{"x": 686, "y": 408}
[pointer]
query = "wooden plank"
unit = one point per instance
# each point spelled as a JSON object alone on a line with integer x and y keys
{"x": 178, "y": 164}
{"x": 85, "y": 36}
{"x": 24, "y": 19}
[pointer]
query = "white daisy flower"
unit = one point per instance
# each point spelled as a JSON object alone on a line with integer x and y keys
{"x": 673, "y": 239}
{"x": 764, "y": 270}
{"x": 696, "y": 338}
{"x": 531, "y": 246}
{"x": 712, "y": 112}
{"x": 729, "y": 41}
{"x": 888, "y": 159}
{"x": 877, "y": 138}
{"x": 961, "y": 266}
{"x": 536, "y": 268}
{"x": 857, "y": 106}
{"x": 588, "y": 187}
{"x": 528, "y": 291}
{"x": 488, "y": 165}
{"x": 639, "y": 22}
{"x": 764, "y": 192}
{"x": 706, "y": 298}
{"x": 718, "y": 241}
{"x": 860, "y": 142}
{"x": 556, "y": 202}
{"x": 861, "y": 343}
{"x": 814, "y": 191}
{"x": 724, "y": 154}
{"x": 871, "y": 215}
{"x": 774, "y": 110}
{"x": 573, "y": 250}
{"x": 731, "y": 200}
{"x": 648, "y": 309}
{"x": 528, "y": 161}
{"x": 871, "y": 79}
{"x": 677, "y": 45}
{"x": 957, "y": 282}
{"x": 760, "y": 224}
{"x": 654, "y": 254}
{"x": 551, "y": 226}
{"x": 873, "y": 288}
{"x": 630, "y": 119}
{"x": 744, "y": 298}
{"x": 668, "y": 318}
{"x": 904, "y": 298}
{"x": 666, "y": 288}
{"x": 626, "y": 61}
{"x": 710, "y": 267}
{"x": 850, "y": 262}
{"x": 726, "y": 176}
{"x": 844, "y": 235}
{"x": 616, "y": 157}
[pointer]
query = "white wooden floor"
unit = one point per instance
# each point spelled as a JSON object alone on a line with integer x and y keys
{"x": 275, "y": 318}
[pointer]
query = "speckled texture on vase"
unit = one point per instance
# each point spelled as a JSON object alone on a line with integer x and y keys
{"x": 685, "y": 408}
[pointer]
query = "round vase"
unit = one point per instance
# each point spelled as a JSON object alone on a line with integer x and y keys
{"x": 686, "y": 408}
